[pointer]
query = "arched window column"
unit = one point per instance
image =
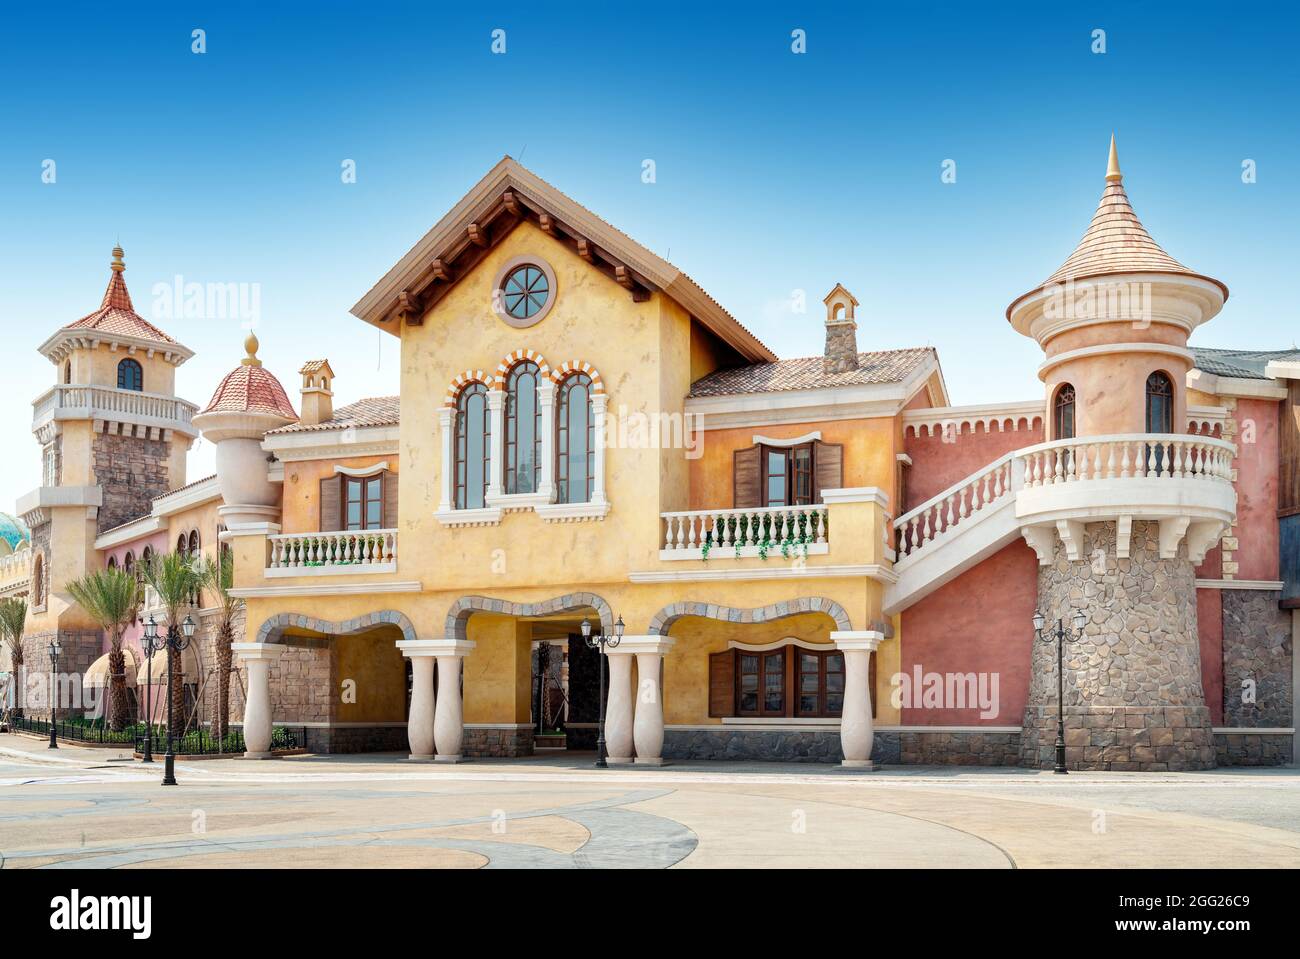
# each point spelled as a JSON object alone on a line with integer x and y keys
{"x": 448, "y": 514}
{"x": 598, "y": 505}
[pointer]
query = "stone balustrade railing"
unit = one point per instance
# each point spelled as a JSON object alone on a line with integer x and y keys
{"x": 332, "y": 552}
{"x": 103, "y": 402}
{"x": 949, "y": 509}
{"x": 686, "y": 534}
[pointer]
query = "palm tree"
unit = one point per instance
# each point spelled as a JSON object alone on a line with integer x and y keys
{"x": 13, "y": 620}
{"x": 218, "y": 576}
{"x": 111, "y": 597}
{"x": 175, "y": 579}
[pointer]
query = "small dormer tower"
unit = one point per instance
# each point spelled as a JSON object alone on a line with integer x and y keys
{"x": 317, "y": 392}
{"x": 841, "y": 331}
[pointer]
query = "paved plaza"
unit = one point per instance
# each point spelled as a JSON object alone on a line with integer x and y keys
{"x": 95, "y": 808}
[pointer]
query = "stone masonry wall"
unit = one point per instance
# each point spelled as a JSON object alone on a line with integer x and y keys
{"x": 1257, "y": 655}
{"x": 496, "y": 742}
{"x": 132, "y": 471}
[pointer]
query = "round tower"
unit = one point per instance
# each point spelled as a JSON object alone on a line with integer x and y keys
{"x": 246, "y": 404}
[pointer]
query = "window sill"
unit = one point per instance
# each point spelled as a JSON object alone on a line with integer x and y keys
{"x": 518, "y": 502}
{"x": 487, "y": 516}
{"x": 572, "y": 512}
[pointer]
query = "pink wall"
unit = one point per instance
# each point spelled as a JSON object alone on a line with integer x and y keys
{"x": 937, "y": 464}
{"x": 159, "y": 544}
{"x": 1257, "y": 463}
{"x": 1209, "y": 624}
{"x": 981, "y": 623}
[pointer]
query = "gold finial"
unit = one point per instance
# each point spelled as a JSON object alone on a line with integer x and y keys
{"x": 250, "y": 347}
{"x": 1112, "y": 167}
{"x": 117, "y": 266}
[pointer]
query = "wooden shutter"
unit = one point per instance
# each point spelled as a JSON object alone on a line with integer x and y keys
{"x": 331, "y": 498}
{"x": 722, "y": 683}
{"x": 747, "y": 478}
{"x": 828, "y": 467}
{"x": 390, "y": 500}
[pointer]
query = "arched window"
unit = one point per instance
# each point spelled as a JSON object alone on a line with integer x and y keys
{"x": 1063, "y": 413}
{"x": 128, "y": 562}
{"x": 194, "y": 543}
{"x": 112, "y": 562}
{"x": 67, "y": 372}
{"x": 523, "y": 429}
{"x": 130, "y": 376}
{"x": 473, "y": 447}
{"x": 575, "y": 441}
{"x": 38, "y": 582}
{"x": 183, "y": 544}
{"x": 1160, "y": 403}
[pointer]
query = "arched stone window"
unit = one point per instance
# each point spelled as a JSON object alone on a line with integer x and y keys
{"x": 523, "y": 434}
{"x": 1160, "y": 403}
{"x": 1063, "y": 413}
{"x": 194, "y": 543}
{"x": 575, "y": 428}
{"x": 473, "y": 447}
{"x": 38, "y": 582}
{"x": 112, "y": 562}
{"x": 128, "y": 562}
{"x": 130, "y": 376}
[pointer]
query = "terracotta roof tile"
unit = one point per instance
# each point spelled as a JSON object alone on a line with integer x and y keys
{"x": 253, "y": 389}
{"x": 807, "y": 373}
{"x": 371, "y": 411}
{"x": 116, "y": 314}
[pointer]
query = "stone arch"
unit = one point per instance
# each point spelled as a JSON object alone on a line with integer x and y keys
{"x": 467, "y": 606}
{"x": 463, "y": 379}
{"x": 516, "y": 357}
{"x": 274, "y": 627}
{"x": 569, "y": 367}
{"x": 663, "y": 620}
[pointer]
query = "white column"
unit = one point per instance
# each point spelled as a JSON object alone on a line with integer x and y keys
{"x": 648, "y": 724}
{"x": 598, "y": 401}
{"x": 857, "y": 733}
{"x": 546, "y": 405}
{"x": 419, "y": 725}
{"x": 258, "y": 657}
{"x": 448, "y": 717}
{"x": 618, "y": 706}
{"x": 496, "y": 401}
{"x": 446, "y": 417}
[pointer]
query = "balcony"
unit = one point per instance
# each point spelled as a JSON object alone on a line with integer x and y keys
{"x": 743, "y": 533}
{"x": 149, "y": 411}
{"x": 331, "y": 554}
{"x": 1184, "y": 482}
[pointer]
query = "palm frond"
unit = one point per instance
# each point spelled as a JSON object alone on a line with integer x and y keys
{"x": 13, "y": 619}
{"x": 110, "y": 597}
{"x": 175, "y": 578}
{"x": 217, "y": 576}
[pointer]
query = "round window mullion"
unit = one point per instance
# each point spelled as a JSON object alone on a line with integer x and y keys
{"x": 524, "y": 291}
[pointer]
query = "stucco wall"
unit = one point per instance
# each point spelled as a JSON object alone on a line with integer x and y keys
{"x": 941, "y": 457}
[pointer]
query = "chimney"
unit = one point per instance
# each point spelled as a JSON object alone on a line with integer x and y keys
{"x": 841, "y": 332}
{"x": 317, "y": 396}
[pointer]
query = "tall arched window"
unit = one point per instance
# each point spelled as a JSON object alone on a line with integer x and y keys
{"x": 523, "y": 429}
{"x": 183, "y": 544}
{"x": 1160, "y": 403}
{"x": 38, "y": 582}
{"x": 194, "y": 543}
{"x": 1063, "y": 413}
{"x": 112, "y": 562}
{"x": 130, "y": 376}
{"x": 67, "y": 372}
{"x": 473, "y": 447}
{"x": 128, "y": 562}
{"x": 575, "y": 466}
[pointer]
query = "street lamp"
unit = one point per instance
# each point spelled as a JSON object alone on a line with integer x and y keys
{"x": 602, "y": 642}
{"x": 150, "y": 644}
{"x": 177, "y": 641}
{"x": 1060, "y": 634}
{"x": 54, "y": 649}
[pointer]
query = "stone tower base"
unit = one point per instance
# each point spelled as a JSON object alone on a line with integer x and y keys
{"x": 1132, "y": 738}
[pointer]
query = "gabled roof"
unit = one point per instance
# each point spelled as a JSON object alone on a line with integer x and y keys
{"x": 808, "y": 373}
{"x": 371, "y": 411}
{"x": 506, "y": 196}
{"x": 115, "y": 321}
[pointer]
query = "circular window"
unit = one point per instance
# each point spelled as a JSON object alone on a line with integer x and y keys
{"x": 525, "y": 291}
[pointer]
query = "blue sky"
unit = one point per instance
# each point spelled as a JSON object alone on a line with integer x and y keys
{"x": 775, "y": 172}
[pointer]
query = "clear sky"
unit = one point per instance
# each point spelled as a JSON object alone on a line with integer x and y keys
{"x": 774, "y": 171}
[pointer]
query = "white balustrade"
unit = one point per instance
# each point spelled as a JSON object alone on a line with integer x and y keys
{"x": 721, "y": 529}
{"x": 94, "y": 400}
{"x": 949, "y": 509}
{"x": 342, "y": 551}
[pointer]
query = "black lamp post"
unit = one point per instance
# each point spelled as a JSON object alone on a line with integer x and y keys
{"x": 1060, "y": 633}
{"x": 602, "y": 642}
{"x": 177, "y": 641}
{"x": 150, "y": 645}
{"x": 54, "y": 649}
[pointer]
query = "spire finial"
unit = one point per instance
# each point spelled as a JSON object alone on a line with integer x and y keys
{"x": 117, "y": 266}
{"x": 250, "y": 347}
{"x": 1112, "y": 166}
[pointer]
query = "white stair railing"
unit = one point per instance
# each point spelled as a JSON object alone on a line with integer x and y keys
{"x": 949, "y": 509}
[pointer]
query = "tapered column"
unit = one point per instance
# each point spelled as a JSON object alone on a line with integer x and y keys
{"x": 647, "y": 701}
{"x": 419, "y": 725}
{"x": 546, "y": 406}
{"x": 496, "y": 401}
{"x": 448, "y": 722}
{"x": 618, "y": 706}
{"x": 257, "y": 657}
{"x": 857, "y": 732}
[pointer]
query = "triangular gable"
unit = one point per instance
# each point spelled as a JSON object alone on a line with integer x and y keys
{"x": 508, "y": 195}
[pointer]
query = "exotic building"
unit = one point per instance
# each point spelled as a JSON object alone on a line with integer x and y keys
{"x": 817, "y": 559}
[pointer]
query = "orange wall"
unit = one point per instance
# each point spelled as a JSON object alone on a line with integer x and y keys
{"x": 302, "y": 488}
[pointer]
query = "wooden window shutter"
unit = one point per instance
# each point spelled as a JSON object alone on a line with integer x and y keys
{"x": 390, "y": 500}
{"x": 722, "y": 683}
{"x": 331, "y": 499}
{"x": 747, "y": 478}
{"x": 828, "y": 467}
